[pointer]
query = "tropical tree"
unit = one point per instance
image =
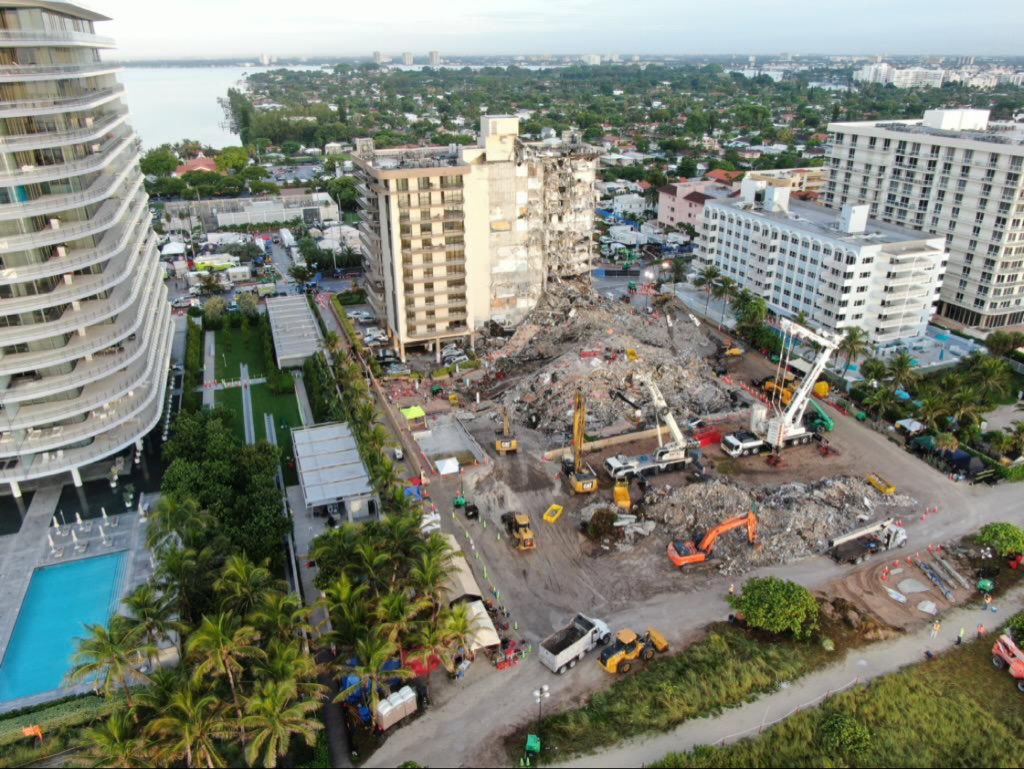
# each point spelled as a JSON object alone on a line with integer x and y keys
{"x": 432, "y": 643}
{"x": 706, "y": 280}
{"x": 152, "y": 614}
{"x": 724, "y": 289}
{"x": 429, "y": 575}
{"x": 964, "y": 406}
{"x": 331, "y": 340}
{"x": 248, "y": 304}
{"x": 854, "y": 344}
{"x": 992, "y": 376}
{"x": 873, "y": 370}
{"x": 372, "y": 652}
{"x": 287, "y": 661}
{"x": 281, "y": 616}
{"x": 273, "y": 716}
{"x": 220, "y": 646}
{"x": 999, "y": 443}
{"x": 459, "y": 627}
{"x": 932, "y": 412}
{"x": 177, "y": 519}
{"x": 348, "y": 606}
{"x": 1016, "y": 433}
{"x": 946, "y": 442}
{"x": 116, "y": 742}
{"x": 396, "y": 615}
{"x": 1003, "y": 342}
{"x": 114, "y": 654}
{"x": 242, "y": 584}
{"x": 901, "y": 371}
{"x": 882, "y": 400}
{"x": 189, "y": 728}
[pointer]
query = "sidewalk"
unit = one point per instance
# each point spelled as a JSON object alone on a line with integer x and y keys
{"x": 859, "y": 666}
{"x": 209, "y": 367}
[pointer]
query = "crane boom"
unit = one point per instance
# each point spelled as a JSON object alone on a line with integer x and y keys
{"x": 664, "y": 412}
{"x": 782, "y": 425}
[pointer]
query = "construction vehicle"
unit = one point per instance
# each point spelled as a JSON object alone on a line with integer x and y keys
{"x": 864, "y": 542}
{"x": 561, "y": 650}
{"x": 669, "y": 456}
{"x": 783, "y": 392}
{"x": 684, "y": 553}
{"x": 621, "y": 495}
{"x": 628, "y": 647}
{"x": 506, "y": 443}
{"x": 1006, "y": 654}
{"x": 581, "y": 476}
{"x": 882, "y": 485}
{"x": 553, "y": 513}
{"x": 785, "y": 427}
{"x": 819, "y": 421}
{"x": 519, "y": 530}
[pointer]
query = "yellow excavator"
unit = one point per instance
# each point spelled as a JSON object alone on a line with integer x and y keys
{"x": 506, "y": 443}
{"x": 582, "y": 478}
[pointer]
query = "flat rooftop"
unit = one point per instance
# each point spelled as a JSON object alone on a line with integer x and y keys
{"x": 822, "y": 221}
{"x": 1005, "y": 133}
{"x": 295, "y": 330}
{"x": 328, "y": 464}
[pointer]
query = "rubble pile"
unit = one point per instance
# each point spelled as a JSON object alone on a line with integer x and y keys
{"x": 795, "y": 520}
{"x": 571, "y": 320}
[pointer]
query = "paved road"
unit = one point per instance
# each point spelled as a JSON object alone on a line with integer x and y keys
{"x": 209, "y": 367}
{"x": 858, "y": 667}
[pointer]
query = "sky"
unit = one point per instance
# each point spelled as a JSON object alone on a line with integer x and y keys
{"x": 149, "y": 29}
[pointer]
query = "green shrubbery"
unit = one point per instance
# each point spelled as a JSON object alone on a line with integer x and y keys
{"x": 1005, "y": 538}
{"x": 778, "y": 606}
{"x": 191, "y": 398}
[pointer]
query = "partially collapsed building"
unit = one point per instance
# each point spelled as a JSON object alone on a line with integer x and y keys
{"x": 454, "y": 237}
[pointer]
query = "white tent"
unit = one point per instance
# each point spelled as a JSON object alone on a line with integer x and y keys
{"x": 448, "y": 466}
{"x": 484, "y": 634}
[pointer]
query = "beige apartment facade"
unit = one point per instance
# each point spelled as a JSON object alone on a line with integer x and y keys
{"x": 456, "y": 237}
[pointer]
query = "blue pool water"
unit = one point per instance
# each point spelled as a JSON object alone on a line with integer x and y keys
{"x": 60, "y": 601}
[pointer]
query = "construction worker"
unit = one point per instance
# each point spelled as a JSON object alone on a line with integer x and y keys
{"x": 981, "y": 630}
{"x": 960, "y": 637}
{"x": 732, "y": 588}
{"x": 988, "y": 602}
{"x": 936, "y": 627}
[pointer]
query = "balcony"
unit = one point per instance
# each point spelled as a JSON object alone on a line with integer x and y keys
{"x": 21, "y": 38}
{"x": 119, "y": 269}
{"x": 132, "y": 230}
{"x": 94, "y": 395}
{"x": 95, "y": 162}
{"x": 56, "y": 105}
{"x": 89, "y": 313}
{"x": 429, "y": 336}
{"x": 434, "y": 249}
{"x": 109, "y": 214}
{"x": 101, "y": 189}
{"x": 35, "y": 141}
{"x": 409, "y": 279}
{"x": 96, "y": 338}
{"x": 26, "y": 73}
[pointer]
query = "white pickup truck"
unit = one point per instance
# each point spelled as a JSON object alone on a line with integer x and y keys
{"x": 561, "y": 650}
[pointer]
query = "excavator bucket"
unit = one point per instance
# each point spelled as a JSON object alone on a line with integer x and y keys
{"x": 659, "y": 641}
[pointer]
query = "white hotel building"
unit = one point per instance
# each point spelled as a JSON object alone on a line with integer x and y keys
{"x": 842, "y": 271}
{"x": 85, "y": 329}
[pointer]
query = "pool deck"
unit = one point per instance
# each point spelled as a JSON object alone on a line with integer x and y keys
{"x": 22, "y": 553}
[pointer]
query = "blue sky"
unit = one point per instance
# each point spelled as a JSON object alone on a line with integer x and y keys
{"x": 190, "y": 28}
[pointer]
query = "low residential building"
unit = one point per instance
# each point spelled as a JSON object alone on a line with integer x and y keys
{"x": 222, "y": 212}
{"x": 200, "y": 163}
{"x": 630, "y": 205}
{"x": 841, "y": 271}
{"x": 812, "y": 179}
{"x": 683, "y": 203}
{"x": 456, "y": 236}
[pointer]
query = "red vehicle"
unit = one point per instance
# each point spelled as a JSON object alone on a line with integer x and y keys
{"x": 1006, "y": 654}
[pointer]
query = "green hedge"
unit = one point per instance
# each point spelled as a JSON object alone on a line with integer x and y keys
{"x": 349, "y": 298}
{"x": 77, "y": 710}
{"x": 191, "y": 399}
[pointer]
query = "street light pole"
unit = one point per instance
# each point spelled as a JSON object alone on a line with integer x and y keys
{"x": 539, "y": 695}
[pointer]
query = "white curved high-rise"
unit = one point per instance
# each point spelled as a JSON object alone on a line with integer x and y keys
{"x": 85, "y": 328}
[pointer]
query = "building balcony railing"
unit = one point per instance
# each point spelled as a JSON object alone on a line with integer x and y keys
{"x": 86, "y": 371}
{"x": 94, "y": 395}
{"x": 132, "y": 231}
{"x": 439, "y": 249}
{"x": 101, "y": 189}
{"x": 94, "y": 162}
{"x": 407, "y": 279}
{"x": 19, "y": 38}
{"x": 429, "y": 336}
{"x": 96, "y": 339}
{"x": 115, "y": 272}
{"x": 26, "y": 73}
{"x": 89, "y": 313}
{"x": 56, "y": 105}
{"x": 108, "y": 215}
{"x": 35, "y": 141}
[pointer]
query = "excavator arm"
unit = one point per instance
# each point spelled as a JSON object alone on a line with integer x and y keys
{"x": 749, "y": 520}
{"x": 579, "y": 423}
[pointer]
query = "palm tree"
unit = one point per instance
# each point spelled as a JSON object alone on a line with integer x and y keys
{"x": 999, "y": 443}
{"x": 331, "y": 340}
{"x": 220, "y": 645}
{"x": 242, "y": 584}
{"x": 873, "y": 370}
{"x": 113, "y": 652}
{"x": 189, "y": 727}
{"x": 280, "y": 615}
{"x": 882, "y": 400}
{"x": 287, "y": 662}
{"x": 724, "y": 289}
{"x": 429, "y": 576}
{"x": 374, "y": 562}
{"x": 964, "y": 406}
{"x": 372, "y": 652}
{"x": 396, "y": 615}
{"x": 706, "y": 279}
{"x": 946, "y": 442}
{"x": 116, "y": 743}
{"x": 993, "y": 377}
{"x": 854, "y": 344}
{"x": 901, "y": 371}
{"x": 182, "y": 576}
{"x": 181, "y": 520}
{"x": 348, "y": 607}
{"x": 152, "y": 613}
{"x": 273, "y": 717}
{"x": 801, "y": 318}
{"x": 1016, "y": 433}
{"x": 459, "y": 627}
{"x": 933, "y": 411}
{"x": 431, "y": 641}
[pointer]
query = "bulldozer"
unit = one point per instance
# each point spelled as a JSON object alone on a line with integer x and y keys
{"x": 618, "y": 657}
{"x": 684, "y": 553}
{"x": 506, "y": 442}
{"x": 519, "y": 530}
{"x": 581, "y": 476}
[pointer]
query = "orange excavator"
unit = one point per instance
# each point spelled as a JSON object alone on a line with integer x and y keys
{"x": 683, "y": 553}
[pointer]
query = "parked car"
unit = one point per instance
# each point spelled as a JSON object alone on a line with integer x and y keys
{"x": 181, "y": 303}
{"x": 399, "y": 454}
{"x": 456, "y": 360}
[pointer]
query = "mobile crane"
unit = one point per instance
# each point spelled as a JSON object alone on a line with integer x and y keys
{"x": 668, "y": 456}
{"x": 683, "y": 553}
{"x": 581, "y": 476}
{"x": 786, "y": 427}
{"x": 507, "y": 442}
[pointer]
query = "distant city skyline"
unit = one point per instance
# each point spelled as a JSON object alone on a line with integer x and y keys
{"x": 316, "y": 28}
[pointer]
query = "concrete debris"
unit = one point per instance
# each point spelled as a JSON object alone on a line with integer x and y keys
{"x": 912, "y": 586}
{"x": 795, "y": 520}
{"x": 571, "y": 319}
{"x": 928, "y": 607}
{"x": 896, "y": 595}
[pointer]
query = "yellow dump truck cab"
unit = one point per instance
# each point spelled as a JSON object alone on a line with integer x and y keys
{"x": 881, "y": 484}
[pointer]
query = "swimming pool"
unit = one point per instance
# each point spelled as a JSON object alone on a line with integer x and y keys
{"x": 60, "y": 601}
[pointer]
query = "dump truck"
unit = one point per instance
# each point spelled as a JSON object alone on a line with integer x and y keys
{"x": 629, "y": 646}
{"x": 1006, "y": 654}
{"x": 561, "y": 650}
{"x": 519, "y": 531}
{"x": 864, "y": 542}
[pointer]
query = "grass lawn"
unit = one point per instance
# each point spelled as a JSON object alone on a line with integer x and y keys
{"x": 954, "y": 711}
{"x": 285, "y": 409}
{"x": 351, "y": 217}
{"x": 232, "y": 400}
{"x": 237, "y": 346}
